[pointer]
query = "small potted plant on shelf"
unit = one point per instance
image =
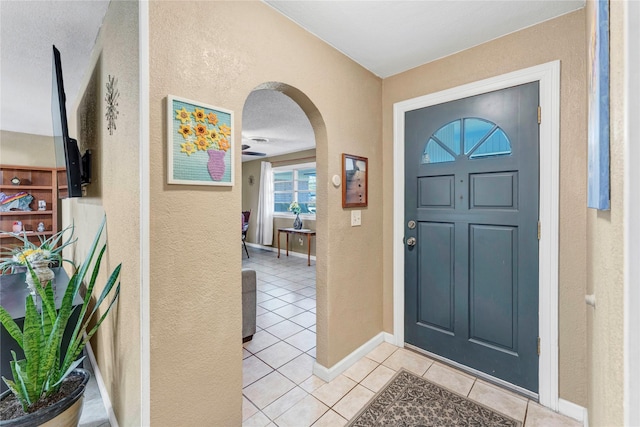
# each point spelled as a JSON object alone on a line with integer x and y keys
{"x": 47, "y": 385}
{"x": 14, "y": 258}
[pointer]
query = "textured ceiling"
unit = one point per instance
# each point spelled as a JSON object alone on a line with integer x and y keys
{"x": 272, "y": 115}
{"x": 386, "y": 37}
{"x": 28, "y": 29}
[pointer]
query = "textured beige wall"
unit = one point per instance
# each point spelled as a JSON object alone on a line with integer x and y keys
{"x": 250, "y": 194}
{"x": 114, "y": 191}
{"x": 605, "y": 235}
{"x": 26, "y": 149}
{"x": 217, "y": 53}
{"x": 561, "y": 39}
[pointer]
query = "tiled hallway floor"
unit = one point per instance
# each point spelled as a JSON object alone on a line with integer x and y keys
{"x": 279, "y": 388}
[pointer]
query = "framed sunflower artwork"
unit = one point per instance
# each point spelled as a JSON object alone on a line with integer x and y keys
{"x": 199, "y": 142}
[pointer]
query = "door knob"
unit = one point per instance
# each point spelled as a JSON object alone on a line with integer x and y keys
{"x": 411, "y": 241}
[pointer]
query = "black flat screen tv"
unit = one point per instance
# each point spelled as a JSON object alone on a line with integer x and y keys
{"x": 73, "y": 170}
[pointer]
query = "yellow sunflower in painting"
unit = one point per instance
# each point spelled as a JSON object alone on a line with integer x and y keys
{"x": 188, "y": 147}
{"x": 202, "y": 143}
{"x": 185, "y": 131}
{"x": 183, "y": 115}
{"x": 199, "y": 115}
{"x": 201, "y": 129}
{"x": 214, "y": 135}
{"x": 213, "y": 119}
{"x": 225, "y": 130}
{"x": 224, "y": 144}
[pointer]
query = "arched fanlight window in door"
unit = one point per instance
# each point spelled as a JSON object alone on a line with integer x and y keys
{"x": 473, "y": 138}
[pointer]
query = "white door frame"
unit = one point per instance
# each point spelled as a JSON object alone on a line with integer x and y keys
{"x": 549, "y": 77}
{"x": 631, "y": 215}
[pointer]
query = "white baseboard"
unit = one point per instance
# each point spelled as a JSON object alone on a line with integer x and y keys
{"x": 101, "y": 387}
{"x": 574, "y": 411}
{"x": 272, "y": 249}
{"x": 328, "y": 374}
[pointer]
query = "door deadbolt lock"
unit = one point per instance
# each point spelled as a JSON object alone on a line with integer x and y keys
{"x": 411, "y": 224}
{"x": 411, "y": 241}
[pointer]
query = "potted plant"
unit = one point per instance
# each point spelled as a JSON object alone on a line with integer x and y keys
{"x": 46, "y": 384}
{"x": 40, "y": 256}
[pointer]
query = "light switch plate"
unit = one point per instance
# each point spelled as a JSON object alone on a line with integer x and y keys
{"x": 356, "y": 218}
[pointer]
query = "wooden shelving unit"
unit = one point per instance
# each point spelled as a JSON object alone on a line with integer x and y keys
{"x": 39, "y": 182}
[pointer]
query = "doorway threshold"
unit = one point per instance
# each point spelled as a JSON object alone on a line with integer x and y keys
{"x": 486, "y": 377}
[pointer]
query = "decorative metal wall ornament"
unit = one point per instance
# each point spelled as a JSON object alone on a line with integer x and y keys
{"x": 112, "y": 103}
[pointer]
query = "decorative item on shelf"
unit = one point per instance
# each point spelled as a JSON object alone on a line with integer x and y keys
{"x": 42, "y": 205}
{"x": 15, "y": 180}
{"x": 19, "y": 201}
{"x": 47, "y": 383}
{"x": 40, "y": 227}
{"x": 295, "y": 208}
{"x": 17, "y": 226}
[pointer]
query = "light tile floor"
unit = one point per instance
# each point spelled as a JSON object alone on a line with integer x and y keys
{"x": 279, "y": 388}
{"x": 94, "y": 413}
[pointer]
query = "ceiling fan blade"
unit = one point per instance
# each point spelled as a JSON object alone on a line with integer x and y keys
{"x": 253, "y": 153}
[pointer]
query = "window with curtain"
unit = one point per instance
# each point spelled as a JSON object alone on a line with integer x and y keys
{"x": 294, "y": 183}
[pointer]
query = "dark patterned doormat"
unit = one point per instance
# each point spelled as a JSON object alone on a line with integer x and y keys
{"x": 410, "y": 400}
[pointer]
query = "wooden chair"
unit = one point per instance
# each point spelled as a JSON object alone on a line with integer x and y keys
{"x": 245, "y": 227}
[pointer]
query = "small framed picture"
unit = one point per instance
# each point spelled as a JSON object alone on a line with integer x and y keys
{"x": 199, "y": 143}
{"x": 42, "y": 205}
{"x": 354, "y": 181}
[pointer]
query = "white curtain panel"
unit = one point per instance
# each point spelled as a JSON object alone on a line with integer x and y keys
{"x": 264, "y": 230}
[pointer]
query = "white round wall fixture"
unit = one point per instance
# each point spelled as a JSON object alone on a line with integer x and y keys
{"x": 336, "y": 180}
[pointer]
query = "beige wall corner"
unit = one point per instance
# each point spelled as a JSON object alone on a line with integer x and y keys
{"x": 114, "y": 192}
{"x": 195, "y": 256}
{"x": 561, "y": 39}
{"x": 605, "y": 261}
{"x": 25, "y": 149}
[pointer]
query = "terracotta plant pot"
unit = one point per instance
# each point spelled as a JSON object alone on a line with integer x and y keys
{"x": 64, "y": 413}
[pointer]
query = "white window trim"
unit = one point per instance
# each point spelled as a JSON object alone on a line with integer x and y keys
{"x": 288, "y": 168}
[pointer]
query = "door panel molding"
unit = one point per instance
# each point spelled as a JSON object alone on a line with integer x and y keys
{"x": 549, "y": 77}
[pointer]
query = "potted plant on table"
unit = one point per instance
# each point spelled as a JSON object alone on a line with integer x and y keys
{"x": 295, "y": 208}
{"x": 39, "y": 256}
{"x": 47, "y": 386}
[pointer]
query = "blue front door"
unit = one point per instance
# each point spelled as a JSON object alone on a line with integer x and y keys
{"x": 471, "y": 270}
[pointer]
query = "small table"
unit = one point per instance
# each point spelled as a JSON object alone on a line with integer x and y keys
{"x": 305, "y": 231}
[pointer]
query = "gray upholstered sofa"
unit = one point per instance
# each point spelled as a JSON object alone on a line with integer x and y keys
{"x": 248, "y": 304}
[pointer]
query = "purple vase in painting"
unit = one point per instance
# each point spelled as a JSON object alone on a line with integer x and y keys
{"x": 215, "y": 165}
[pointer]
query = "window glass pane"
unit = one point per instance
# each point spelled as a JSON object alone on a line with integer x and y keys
{"x": 283, "y": 176}
{"x": 306, "y": 174}
{"x": 307, "y": 208}
{"x": 283, "y": 197}
{"x": 295, "y": 184}
{"x": 496, "y": 145}
{"x": 281, "y": 207}
{"x": 474, "y": 131}
{"x": 305, "y": 197}
{"x": 449, "y": 135}
{"x": 303, "y": 185}
{"x": 283, "y": 186}
{"x": 434, "y": 153}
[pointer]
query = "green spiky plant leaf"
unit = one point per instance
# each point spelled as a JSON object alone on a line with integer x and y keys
{"x": 47, "y": 362}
